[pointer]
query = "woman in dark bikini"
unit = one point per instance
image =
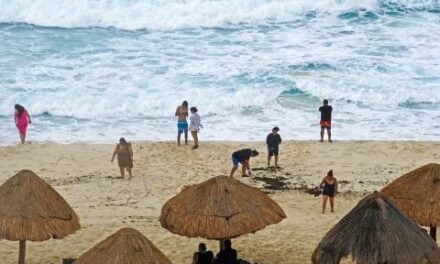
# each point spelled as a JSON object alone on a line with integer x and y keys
{"x": 330, "y": 188}
{"x": 124, "y": 152}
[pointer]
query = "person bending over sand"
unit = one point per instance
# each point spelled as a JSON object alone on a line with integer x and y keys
{"x": 330, "y": 188}
{"x": 124, "y": 152}
{"x": 242, "y": 156}
{"x": 273, "y": 142}
{"x": 195, "y": 126}
{"x": 182, "y": 124}
{"x": 326, "y": 120}
{"x": 203, "y": 256}
{"x": 22, "y": 119}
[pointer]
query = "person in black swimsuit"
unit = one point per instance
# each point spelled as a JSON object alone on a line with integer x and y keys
{"x": 203, "y": 256}
{"x": 330, "y": 188}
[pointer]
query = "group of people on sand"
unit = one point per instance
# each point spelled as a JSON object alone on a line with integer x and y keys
{"x": 124, "y": 151}
{"x": 227, "y": 255}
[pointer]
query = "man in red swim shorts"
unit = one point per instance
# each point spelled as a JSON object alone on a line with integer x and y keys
{"x": 326, "y": 120}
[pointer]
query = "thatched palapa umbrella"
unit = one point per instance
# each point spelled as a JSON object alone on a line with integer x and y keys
{"x": 417, "y": 194}
{"x": 127, "y": 246}
{"x": 219, "y": 208}
{"x": 375, "y": 231}
{"x": 30, "y": 209}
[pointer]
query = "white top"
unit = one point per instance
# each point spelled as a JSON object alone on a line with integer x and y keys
{"x": 195, "y": 122}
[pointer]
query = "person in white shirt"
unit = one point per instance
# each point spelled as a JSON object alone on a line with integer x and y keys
{"x": 195, "y": 126}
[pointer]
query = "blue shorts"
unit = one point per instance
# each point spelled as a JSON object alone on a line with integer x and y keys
{"x": 235, "y": 161}
{"x": 182, "y": 127}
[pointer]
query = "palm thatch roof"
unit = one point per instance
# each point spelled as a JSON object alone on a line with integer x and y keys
{"x": 30, "y": 209}
{"x": 219, "y": 208}
{"x": 127, "y": 246}
{"x": 375, "y": 231}
{"x": 417, "y": 194}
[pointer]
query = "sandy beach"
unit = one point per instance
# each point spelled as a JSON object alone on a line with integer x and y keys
{"x": 85, "y": 177}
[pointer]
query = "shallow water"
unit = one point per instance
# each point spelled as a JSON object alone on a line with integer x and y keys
{"x": 93, "y": 70}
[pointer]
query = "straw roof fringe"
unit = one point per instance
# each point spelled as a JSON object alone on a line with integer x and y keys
{"x": 127, "y": 246}
{"x": 30, "y": 209}
{"x": 219, "y": 208}
{"x": 375, "y": 231}
{"x": 417, "y": 194}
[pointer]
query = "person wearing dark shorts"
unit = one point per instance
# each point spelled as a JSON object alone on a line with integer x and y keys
{"x": 242, "y": 156}
{"x": 326, "y": 120}
{"x": 273, "y": 142}
{"x": 330, "y": 187}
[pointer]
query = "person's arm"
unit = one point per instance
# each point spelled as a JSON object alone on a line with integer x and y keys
{"x": 130, "y": 151}
{"x": 16, "y": 120}
{"x": 322, "y": 183}
{"x": 114, "y": 153}
{"x": 336, "y": 187}
{"x": 280, "y": 141}
{"x": 267, "y": 140}
{"x": 29, "y": 117}
{"x": 195, "y": 258}
{"x": 248, "y": 166}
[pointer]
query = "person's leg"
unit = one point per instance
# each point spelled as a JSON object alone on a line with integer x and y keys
{"x": 186, "y": 134}
{"x": 322, "y": 134}
{"x": 179, "y": 133}
{"x": 329, "y": 134}
{"x": 122, "y": 170}
{"x": 22, "y": 138}
{"x": 276, "y": 160}
{"x": 243, "y": 170}
{"x": 196, "y": 138}
{"x": 234, "y": 168}
{"x": 269, "y": 157}
{"x": 324, "y": 203}
{"x": 332, "y": 204}
{"x": 129, "y": 172}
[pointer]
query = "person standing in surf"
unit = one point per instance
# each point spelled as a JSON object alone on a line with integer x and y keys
{"x": 182, "y": 124}
{"x": 195, "y": 126}
{"x": 326, "y": 120}
{"x": 22, "y": 119}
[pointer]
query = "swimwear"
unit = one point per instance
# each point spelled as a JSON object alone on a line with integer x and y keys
{"x": 326, "y": 124}
{"x": 235, "y": 160}
{"x": 329, "y": 189}
{"x": 273, "y": 151}
{"x": 22, "y": 123}
{"x": 182, "y": 126}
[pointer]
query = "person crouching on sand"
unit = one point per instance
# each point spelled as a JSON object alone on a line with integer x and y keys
{"x": 195, "y": 126}
{"x": 273, "y": 142}
{"x": 242, "y": 156}
{"x": 22, "y": 119}
{"x": 124, "y": 152}
{"x": 330, "y": 188}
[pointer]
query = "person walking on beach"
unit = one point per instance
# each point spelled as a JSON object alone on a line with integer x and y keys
{"x": 124, "y": 152}
{"x": 330, "y": 188}
{"x": 195, "y": 126}
{"x": 326, "y": 120}
{"x": 273, "y": 142}
{"x": 242, "y": 156}
{"x": 22, "y": 119}
{"x": 203, "y": 256}
{"x": 182, "y": 124}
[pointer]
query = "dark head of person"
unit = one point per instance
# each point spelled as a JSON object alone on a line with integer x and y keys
{"x": 193, "y": 109}
{"x": 185, "y": 104}
{"x": 202, "y": 247}
{"x": 254, "y": 154}
{"x": 122, "y": 141}
{"x": 275, "y": 130}
{"x": 227, "y": 243}
{"x": 330, "y": 173}
{"x": 325, "y": 102}
{"x": 19, "y": 109}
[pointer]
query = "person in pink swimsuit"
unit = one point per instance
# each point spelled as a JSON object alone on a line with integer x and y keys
{"x": 22, "y": 119}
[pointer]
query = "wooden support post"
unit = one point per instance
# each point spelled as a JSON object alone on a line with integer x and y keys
{"x": 22, "y": 252}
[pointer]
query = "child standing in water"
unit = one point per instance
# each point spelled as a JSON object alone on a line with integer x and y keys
{"x": 22, "y": 119}
{"x": 195, "y": 126}
{"x": 124, "y": 152}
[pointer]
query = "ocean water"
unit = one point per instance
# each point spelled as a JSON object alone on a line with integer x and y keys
{"x": 95, "y": 70}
